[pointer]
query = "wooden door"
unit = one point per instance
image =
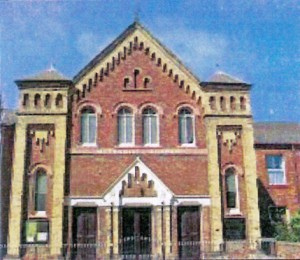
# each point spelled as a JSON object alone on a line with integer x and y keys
{"x": 189, "y": 232}
{"x": 136, "y": 233}
{"x": 86, "y": 231}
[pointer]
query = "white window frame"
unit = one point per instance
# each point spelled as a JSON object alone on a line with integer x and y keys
{"x": 236, "y": 210}
{"x": 88, "y": 115}
{"x": 126, "y": 144}
{"x": 192, "y": 116}
{"x": 40, "y": 213}
{"x": 275, "y": 170}
{"x": 155, "y": 115}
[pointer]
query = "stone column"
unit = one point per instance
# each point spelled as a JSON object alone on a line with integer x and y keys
{"x": 213, "y": 183}
{"x": 167, "y": 238}
{"x": 205, "y": 230}
{"x": 70, "y": 238}
{"x": 157, "y": 238}
{"x": 253, "y": 229}
{"x": 115, "y": 231}
{"x": 108, "y": 230}
{"x": 174, "y": 228}
{"x": 15, "y": 221}
{"x": 56, "y": 229}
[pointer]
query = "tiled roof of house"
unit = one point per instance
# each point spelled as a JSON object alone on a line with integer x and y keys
{"x": 50, "y": 74}
{"x": 276, "y": 133}
{"x": 222, "y": 77}
{"x": 8, "y": 117}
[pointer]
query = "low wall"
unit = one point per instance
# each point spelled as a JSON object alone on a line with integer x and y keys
{"x": 288, "y": 250}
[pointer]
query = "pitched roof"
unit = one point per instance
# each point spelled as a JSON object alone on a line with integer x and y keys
{"x": 8, "y": 117}
{"x": 50, "y": 74}
{"x": 222, "y": 77}
{"x": 128, "y": 31}
{"x": 276, "y": 133}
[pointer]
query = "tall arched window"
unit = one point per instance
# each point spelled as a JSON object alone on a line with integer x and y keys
{"x": 125, "y": 126}
{"x": 40, "y": 191}
{"x": 231, "y": 189}
{"x": 150, "y": 127}
{"x": 88, "y": 126}
{"x": 186, "y": 126}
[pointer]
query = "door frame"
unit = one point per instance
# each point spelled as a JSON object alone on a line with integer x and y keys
{"x": 76, "y": 212}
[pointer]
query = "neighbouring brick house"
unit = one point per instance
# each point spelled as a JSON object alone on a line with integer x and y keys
{"x": 134, "y": 156}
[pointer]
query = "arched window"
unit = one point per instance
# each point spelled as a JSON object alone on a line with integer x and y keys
{"x": 125, "y": 129}
{"x": 37, "y": 100}
{"x": 186, "y": 126}
{"x": 48, "y": 101}
{"x": 150, "y": 127}
{"x": 231, "y": 189}
{"x": 59, "y": 100}
{"x": 40, "y": 191}
{"x": 88, "y": 126}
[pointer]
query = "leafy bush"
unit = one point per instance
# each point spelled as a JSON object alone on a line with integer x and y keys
{"x": 289, "y": 231}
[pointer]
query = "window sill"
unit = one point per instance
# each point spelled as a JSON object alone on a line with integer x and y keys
{"x": 188, "y": 146}
{"x": 126, "y": 146}
{"x": 233, "y": 212}
{"x": 38, "y": 214}
{"x": 151, "y": 145}
{"x": 92, "y": 145}
{"x": 279, "y": 186}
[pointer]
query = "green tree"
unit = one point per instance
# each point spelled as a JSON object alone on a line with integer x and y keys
{"x": 289, "y": 231}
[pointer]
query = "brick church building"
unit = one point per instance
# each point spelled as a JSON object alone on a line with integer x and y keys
{"x": 137, "y": 157}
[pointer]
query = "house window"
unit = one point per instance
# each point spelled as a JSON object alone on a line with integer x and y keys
{"x": 231, "y": 189}
{"x": 186, "y": 126}
{"x": 150, "y": 127}
{"x": 275, "y": 166}
{"x": 37, "y": 231}
{"x": 40, "y": 191}
{"x": 125, "y": 129}
{"x": 234, "y": 228}
{"x": 88, "y": 126}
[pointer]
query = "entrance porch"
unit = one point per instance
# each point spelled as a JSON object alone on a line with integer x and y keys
{"x": 136, "y": 232}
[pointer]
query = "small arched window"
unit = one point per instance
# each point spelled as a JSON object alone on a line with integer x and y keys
{"x": 59, "y": 100}
{"x": 37, "y": 100}
{"x": 150, "y": 127}
{"x": 231, "y": 189}
{"x": 186, "y": 126}
{"x": 243, "y": 103}
{"x": 88, "y": 126}
{"x": 48, "y": 101}
{"x": 40, "y": 191}
{"x": 125, "y": 126}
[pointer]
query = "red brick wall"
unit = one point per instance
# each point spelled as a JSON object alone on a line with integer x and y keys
{"x": 165, "y": 94}
{"x": 282, "y": 195}
{"x": 92, "y": 174}
{"x": 6, "y": 169}
{"x": 288, "y": 250}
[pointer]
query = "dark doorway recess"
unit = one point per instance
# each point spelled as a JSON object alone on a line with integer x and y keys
{"x": 84, "y": 233}
{"x": 136, "y": 233}
{"x": 189, "y": 232}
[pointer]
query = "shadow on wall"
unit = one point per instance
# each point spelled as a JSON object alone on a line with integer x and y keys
{"x": 265, "y": 202}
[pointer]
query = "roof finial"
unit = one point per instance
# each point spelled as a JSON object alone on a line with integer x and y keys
{"x": 137, "y": 12}
{"x": 51, "y": 67}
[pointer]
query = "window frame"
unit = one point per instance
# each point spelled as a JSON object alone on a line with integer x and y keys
{"x": 38, "y": 173}
{"x": 232, "y": 210}
{"x": 88, "y": 115}
{"x": 275, "y": 171}
{"x": 35, "y": 239}
{"x": 129, "y": 115}
{"x": 150, "y": 116}
{"x": 184, "y": 116}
